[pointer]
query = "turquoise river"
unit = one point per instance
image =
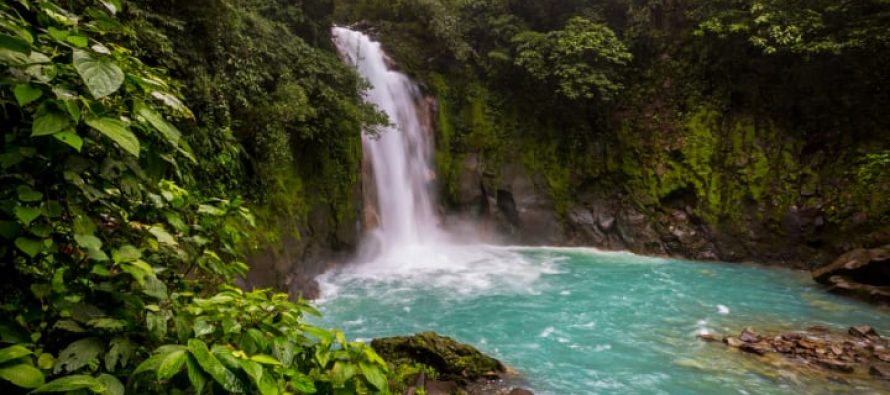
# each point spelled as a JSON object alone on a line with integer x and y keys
{"x": 581, "y": 321}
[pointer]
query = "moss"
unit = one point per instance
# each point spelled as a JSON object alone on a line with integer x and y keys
{"x": 544, "y": 159}
{"x": 449, "y": 359}
{"x": 447, "y": 162}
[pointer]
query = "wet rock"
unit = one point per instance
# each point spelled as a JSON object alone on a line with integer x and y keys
{"x": 837, "y": 349}
{"x": 520, "y": 391}
{"x": 835, "y": 365}
{"x": 883, "y": 356}
{"x": 749, "y": 336}
{"x": 783, "y": 346}
{"x": 880, "y": 371}
{"x": 863, "y": 331}
{"x": 452, "y": 360}
{"x": 755, "y": 348}
{"x": 733, "y": 341}
{"x": 862, "y": 272}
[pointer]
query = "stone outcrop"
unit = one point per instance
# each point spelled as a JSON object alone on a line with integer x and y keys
{"x": 862, "y": 272}
{"x": 457, "y": 367}
{"x": 860, "y": 354}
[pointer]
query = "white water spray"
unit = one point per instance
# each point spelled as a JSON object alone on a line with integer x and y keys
{"x": 402, "y": 154}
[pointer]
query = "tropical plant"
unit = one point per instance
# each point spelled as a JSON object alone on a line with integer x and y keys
{"x": 111, "y": 266}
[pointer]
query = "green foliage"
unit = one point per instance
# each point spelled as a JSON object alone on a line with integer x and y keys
{"x": 115, "y": 266}
{"x": 810, "y": 27}
{"x": 583, "y": 60}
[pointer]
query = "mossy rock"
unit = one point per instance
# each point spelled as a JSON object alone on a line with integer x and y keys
{"x": 451, "y": 360}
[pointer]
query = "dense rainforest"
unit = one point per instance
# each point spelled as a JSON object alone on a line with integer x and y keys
{"x": 161, "y": 159}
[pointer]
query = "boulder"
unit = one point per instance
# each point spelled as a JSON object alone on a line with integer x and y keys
{"x": 861, "y": 271}
{"x": 749, "y": 336}
{"x": 453, "y": 361}
{"x": 863, "y": 331}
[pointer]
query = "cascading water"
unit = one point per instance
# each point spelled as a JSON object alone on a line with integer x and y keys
{"x": 401, "y": 155}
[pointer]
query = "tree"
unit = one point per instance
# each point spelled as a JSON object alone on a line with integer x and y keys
{"x": 583, "y": 60}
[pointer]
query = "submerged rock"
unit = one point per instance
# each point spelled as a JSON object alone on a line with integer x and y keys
{"x": 859, "y": 354}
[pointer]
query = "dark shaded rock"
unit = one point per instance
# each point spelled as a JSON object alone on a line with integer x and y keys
{"x": 835, "y": 365}
{"x": 863, "y": 331}
{"x": 749, "y": 336}
{"x": 453, "y": 360}
{"x": 880, "y": 371}
{"x": 436, "y": 387}
{"x": 862, "y": 272}
{"x": 520, "y": 391}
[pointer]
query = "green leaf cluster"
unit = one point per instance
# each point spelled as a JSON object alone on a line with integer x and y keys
{"x": 117, "y": 267}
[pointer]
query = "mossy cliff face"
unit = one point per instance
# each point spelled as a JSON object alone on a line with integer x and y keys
{"x": 705, "y": 184}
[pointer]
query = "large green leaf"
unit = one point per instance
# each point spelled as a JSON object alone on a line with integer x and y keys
{"x": 260, "y": 377}
{"x": 150, "y": 364}
{"x": 71, "y": 138}
{"x": 13, "y": 352}
{"x": 93, "y": 245}
{"x": 118, "y": 132}
{"x": 50, "y": 122}
{"x": 26, "y": 93}
{"x": 154, "y": 119}
{"x": 27, "y": 194}
{"x": 23, "y": 375}
{"x": 78, "y": 354}
{"x": 214, "y": 368}
{"x": 25, "y": 214}
{"x": 265, "y": 359}
{"x": 303, "y": 383}
{"x": 195, "y": 376}
{"x": 31, "y": 247}
{"x": 14, "y": 44}
{"x": 172, "y": 364}
{"x": 374, "y": 375}
{"x": 101, "y": 76}
{"x": 120, "y": 351}
{"x": 113, "y": 386}
{"x": 72, "y": 383}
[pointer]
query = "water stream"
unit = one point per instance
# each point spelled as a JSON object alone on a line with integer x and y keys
{"x": 571, "y": 321}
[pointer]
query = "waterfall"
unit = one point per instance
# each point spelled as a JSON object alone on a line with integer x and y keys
{"x": 401, "y": 154}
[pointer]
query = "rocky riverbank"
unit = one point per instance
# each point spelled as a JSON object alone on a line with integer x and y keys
{"x": 861, "y": 354}
{"x": 432, "y": 364}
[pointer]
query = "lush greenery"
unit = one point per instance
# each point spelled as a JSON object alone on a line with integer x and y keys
{"x": 117, "y": 258}
{"x": 150, "y": 147}
{"x": 743, "y": 110}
